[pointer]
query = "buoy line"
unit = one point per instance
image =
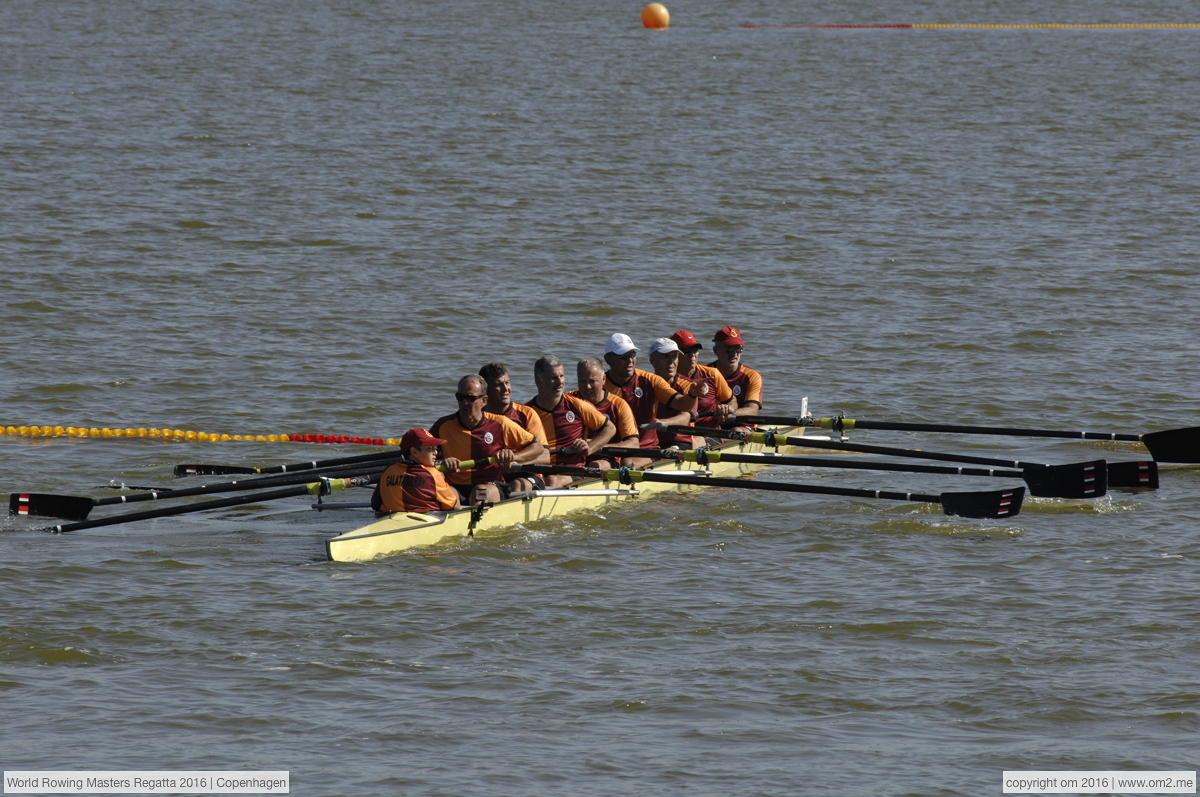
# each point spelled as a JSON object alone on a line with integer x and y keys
{"x": 191, "y": 436}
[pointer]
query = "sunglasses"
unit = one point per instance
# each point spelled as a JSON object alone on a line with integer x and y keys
{"x": 627, "y": 356}
{"x": 467, "y": 398}
{"x": 733, "y": 349}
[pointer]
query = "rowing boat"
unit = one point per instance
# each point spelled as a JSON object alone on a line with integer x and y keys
{"x": 402, "y": 531}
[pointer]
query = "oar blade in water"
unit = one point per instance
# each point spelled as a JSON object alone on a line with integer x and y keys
{"x": 69, "y": 507}
{"x": 1142, "y": 473}
{"x": 997, "y": 504}
{"x": 1075, "y": 480}
{"x": 1174, "y": 445}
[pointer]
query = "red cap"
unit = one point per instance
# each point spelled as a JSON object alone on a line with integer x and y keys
{"x": 418, "y": 437}
{"x": 729, "y": 336}
{"x": 685, "y": 339}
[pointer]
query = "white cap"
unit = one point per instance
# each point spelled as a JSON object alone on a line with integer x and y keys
{"x": 619, "y": 344}
{"x": 664, "y": 346}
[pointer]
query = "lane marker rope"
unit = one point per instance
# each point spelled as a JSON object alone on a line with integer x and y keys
{"x": 191, "y": 436}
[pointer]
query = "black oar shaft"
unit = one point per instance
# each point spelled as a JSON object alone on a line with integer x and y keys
{"x": 78, "y": 508}
{"x": 295, "y": 467}
{"x": 237, "y": 485}
{"x": 859, "y": 448}
{"x": 1169, "y": 445}
{"x": 994, "y": 504}
{"x": 813, "y": 462}
{"x": 839, "y": 424}
{"x": 852, "y": 492}
{"x": 313, "y": 488}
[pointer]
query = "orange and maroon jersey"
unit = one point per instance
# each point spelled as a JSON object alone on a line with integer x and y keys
{"x": 405, "y": 487}
{"x": 746, "y": 385}
{"x": 719, "y": 390}
{"x": 492, "y": 434}
{"x": 644, "y": 392}
{"x": 571, "y": 420}
{"x": 617, "y": 410}
{"x": 668, "y": 439}
{"x": 527, "y": 418}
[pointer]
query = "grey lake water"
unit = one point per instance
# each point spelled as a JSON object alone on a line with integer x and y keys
{"x": 314, "y": 218}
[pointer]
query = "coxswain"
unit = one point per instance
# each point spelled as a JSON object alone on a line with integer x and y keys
{"x": 664, "y": 358}
{"x": 746, "y": 383}
{"x": 499, "y": 402}
{"x": 416, "y": 486}
{"x": 474, "y": 434}
{"x": 590, "y": 375}
{"x": 574, "y": 428}
{"x": 644, "y": 391}
{"x": 718, "y": 402}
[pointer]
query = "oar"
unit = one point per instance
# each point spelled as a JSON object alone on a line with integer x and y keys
{"x": 322, "y": 487}
{"x": 993, "y": 504}
{"x": 1171, "y": 445}
{"x": 73, "y": 507}
{"x": 228, "y": 470}
{"x": 1052, "y": 481}
{"x": 1077, "y": 480}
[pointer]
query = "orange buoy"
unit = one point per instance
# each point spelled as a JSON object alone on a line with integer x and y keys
{"x": 655, "y": 16}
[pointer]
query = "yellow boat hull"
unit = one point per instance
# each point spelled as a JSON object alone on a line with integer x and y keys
{"x": 402, "y": 531}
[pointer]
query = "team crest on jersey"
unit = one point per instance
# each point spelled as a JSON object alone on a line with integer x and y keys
{"x": 737, "y": 390}
{"x": 487, "y": 438}
{"x": 637, "y": 391}
{"x": 570, "y": 416}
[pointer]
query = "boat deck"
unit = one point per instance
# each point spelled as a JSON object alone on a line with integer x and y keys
{"x": 401, "y": 531}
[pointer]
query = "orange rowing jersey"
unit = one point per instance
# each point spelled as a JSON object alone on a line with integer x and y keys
{"x": 414, "y": 487}
{"x": 493, "y": 433}
{"x": 571, "y": 420}
{"x": 669, "y": 439}
{"x": 527, "y": 418}
{"x": 746, "y": 385}
{"x": 617, "y": 410}
{"x": 644, "y": 392}
{"x": 719, "y": 390}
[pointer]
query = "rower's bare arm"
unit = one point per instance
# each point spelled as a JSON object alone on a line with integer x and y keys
{"x": 601, "y": 437}
{"x": 534, "y": 453}
{"x": 751, "y": 408}
{"x": 682, "y": 403}
{"x": 678, "y": 419}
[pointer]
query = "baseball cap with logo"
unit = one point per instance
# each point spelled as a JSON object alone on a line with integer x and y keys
{"x": 619, "y": 344}
{"x": 663, "y": 346}
{"x": 418, "y": 437}
{"x": 729, "y": 336}
{"x": 686, "y": 340}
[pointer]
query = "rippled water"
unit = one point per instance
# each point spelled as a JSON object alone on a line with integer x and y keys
{"x": 257, "y": 219}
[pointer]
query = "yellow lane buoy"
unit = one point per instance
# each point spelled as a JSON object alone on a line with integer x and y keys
{"x": 655, "y": 16}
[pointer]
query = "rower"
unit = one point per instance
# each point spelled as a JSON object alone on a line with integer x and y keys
{"x": 567, "y": 420}
{"x": 416, "y": 486}
{"x": 664, "y": 357}
{"x": 472, "y": 433}
{"x": 718, "y": 402}
{"x": 590, "y": 374}
{"x": 746, "y": 383}
{"x": 499, "y": 402}
{"x": 644, "y": 391}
